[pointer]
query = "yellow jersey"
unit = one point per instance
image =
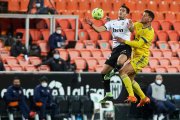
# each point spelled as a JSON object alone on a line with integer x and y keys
{"x": 143, "y": 40}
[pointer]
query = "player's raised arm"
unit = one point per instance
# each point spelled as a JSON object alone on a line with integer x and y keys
{"x": 131, "y": 26}
{"x": 97, "y": 29}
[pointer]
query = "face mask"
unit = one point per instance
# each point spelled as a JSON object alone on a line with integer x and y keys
{"x": 38, "y": 5}
{"x": 58, "y": 31}
{"x": 56, "y": 56}
{"x": 159, "y": 82}
{"x": 44, "y": 84}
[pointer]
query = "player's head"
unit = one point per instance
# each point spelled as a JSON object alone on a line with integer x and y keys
{"x": 16, "y": 82}
{"x": 123, "y": 11}
{"x": 148, "y": 17}
{"x": 159, "y": 79}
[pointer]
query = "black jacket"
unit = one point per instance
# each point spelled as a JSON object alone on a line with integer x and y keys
{"x": 17, "y": 49}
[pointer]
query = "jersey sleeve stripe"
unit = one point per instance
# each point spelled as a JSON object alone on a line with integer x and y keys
{"x": 105, "y": 27}
{"x": 144, "y": 39}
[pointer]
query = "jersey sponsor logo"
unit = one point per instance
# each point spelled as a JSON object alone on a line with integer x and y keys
{"x": 116, "y": 86}
{"x": 117, "y": 30}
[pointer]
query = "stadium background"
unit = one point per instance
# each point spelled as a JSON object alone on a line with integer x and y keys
{"x": 91, "y": 48}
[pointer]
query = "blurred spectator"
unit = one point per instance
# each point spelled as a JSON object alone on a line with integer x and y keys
{"x": 56, "y": 40}
{"x": 1, "y": 65}
{"x": 39, "y": 4}
{"x": 16, "y": 98}
{"x": 157, "y": 92}
{"x": 35, "y": 50}
{"x": 9, "y": 40}
{"x": 18, "y": 49}
{"x": 43, "y": 98}
{"x": 56, "y": 63}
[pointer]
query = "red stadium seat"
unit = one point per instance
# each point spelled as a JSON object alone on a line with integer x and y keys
{"x": 49, "y": 3}
{"x": 44, "y": 68}
{"x": 16, "y": 68}
{"x": 131, "y": 5}
{"x": 11, "y": 61}
{"x": 99, "y": 68}
{"x": 45, "y": 34}
{"x": 136, "y": 16}
{"x": 106, "y": 5}
{"x": 30, "y": 68}
{"x": 80, "y": 64}
{"x": 85, "y": 53}
{"x": 170, "y": 16}
{"x": 140, "y": 5}
{"x": 153, "y": 62}
{"x": 171, "y": 69}
{"x": 73, "y": 23}
{"x": 178, "y": 53}
{"x": 166, "y": 25}
{"x": 96, "y": 53}
{"x": 84, "y": 5}
{"x": 44, "y": 47}
{"x": 113, "y": 15}
{"x": 106, "y": 53}
{"x": 70, "y": 34}
{"x": 159, "y": 16}
{"x": 95, "y": 4}
{"x": 101, "y": 60}
{"x": 152, "y": 5}
{"x": 81, "y": 14}
{"x": 64, "y": 23}
{"x": 175, "y": 61}
{"x": 176, "y": 25}
{"x": 89, "y": 44}
{"x": 156, "y": 25}
{"x": 105, "y": 35}
{"x": 156, "y": 53}
{"x": 4, "y": 54}
{"x": 22, "y": 61}
{"x": 93, "y": 35}
{"x": 173, "y": 35}
{"x": 83, "y": 35}
{"x": 79, "y": 45}
{"x": 92, "y": 63}
{"x": 167, "y": 53}
{"x": 160, "y": 70}
{"x": 163, "y": 6}
{"x": 164, "y": 62}
{"x": 35, "y": 60}
{"x": 60, "y": 5}
{"x": 103, "y": 44}
{"x": 162, "y": 44}
{"x": 24, "y": 5}
{"x": 72, "y": 5}
{"x": 7, "y": 67}
{"x": 73, "y": 54}
{"x": 35, "y": 35}
{"x": 97, "y": 22}
{"x": 63, "y": 54}
{"x": 13, "y": 5}
{"x": 162, "y": 35}
{"x": 174, "y": 7}
{"x": 146, "y": 70}
{"x": 174, "y": 45}
{"x": 116, "y": 5}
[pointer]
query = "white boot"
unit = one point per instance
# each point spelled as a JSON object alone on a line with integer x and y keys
{"x": 155, "y": 117}
{"x": 161, "y": 117}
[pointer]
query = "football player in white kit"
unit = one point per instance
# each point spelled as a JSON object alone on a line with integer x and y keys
{"x": 122, "y": 28}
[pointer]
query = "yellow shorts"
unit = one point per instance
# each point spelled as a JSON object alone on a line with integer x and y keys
{"x": 139, "y": 62}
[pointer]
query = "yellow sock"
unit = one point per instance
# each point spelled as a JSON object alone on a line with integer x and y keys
{"x": 128, "y": 84}
{"x": 137, "y": 90}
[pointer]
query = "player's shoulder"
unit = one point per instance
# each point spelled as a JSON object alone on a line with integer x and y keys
{"x": 138, "y": 23}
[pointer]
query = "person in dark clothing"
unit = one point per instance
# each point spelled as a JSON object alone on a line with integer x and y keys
{"x": 35, "y": 50}
{"x": 56, "y": 63}
{"x": 18, "y": 48}
{"x": 1, "y": 66}
{"x": 15, "y": 98}
{"x": 157, "y": 93}
{"x": 39, "y": 4}
{"x": 56, "y": 40}
{"x": 43, "y": 98}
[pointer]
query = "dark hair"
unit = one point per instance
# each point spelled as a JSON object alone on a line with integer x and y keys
{"x": 55, "y": 51}
{"x": 15, "y": 78}
{"x": 127, "y": 9}
{"x": 150, "y": 13}
{"x": 43, "y": 79}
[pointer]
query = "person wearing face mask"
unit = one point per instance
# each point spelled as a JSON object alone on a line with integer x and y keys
{"x": 42, "y": 97}
{"x": 38, "y": 3}
{"x": 55, "y": 63}
{"x": 56, "y": 40}
{"x": 16, "y": 98}
{"x": 157, "y": 92}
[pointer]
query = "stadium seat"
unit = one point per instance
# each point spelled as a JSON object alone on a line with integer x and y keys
{"x": 35, "y": 35}
{"x": 156, "y": 25}
{"x": 30, "y": 68}
{"x": 81, "y": 14}
{"x": 73, "y": 23}
{"x": 163, "y": 6}
{"x": 174, "y": 45}
{"x": 85, "y": 25}
{"x": 174, "y": 7}
{"x": 24, "y": 5}
{"x": 60, "y": 5}
{"x": 103, "y": 44}
{"x": 116, "y": 5}
{"x": 80, "y": 64}
{"x": 131, "y": 5}
{"x": 178, "y": 53}
{"x": 173, "y": 35}
{"x": 101, "y": 60}
{"x": 7, "y": 67}
{"x": 13, "y": 5}
{"x": 113, "y": 15}
{"x": 45, "y": 33}
{"x": 22, "y": 61}
{"x": 73, "y": 54}
{"x": 85, "y": 53}
{"x": 79, "y": 45}
{"x": 83, "y": 35}
{"x": 152, "y": 5}
{"x": 106, "y": 53}
{"x": 44, "y": 47}
{"x": 97, "y": 22}
{"x": 89, "y": 44}
{"x": 176, "y": 25}
{"x": 64, "y": 23}
{"x": 175, "y": 61}
{"x": 140, "y": 5}
{"x": 136, "y": 15}
{"x": 105, "y": 35}
{"x": 170, "y": 16}
{"x": 95, "y": 4}
{"x": 49, "y": 3}
{"x": 44, "y": 68}
{"x": 16, "y": 68}
{"x": 153, "y": 62}
{"x": 63, "y": 54}
{"x": 99, "y": 68}
{"x": 96, "y": 53}
{"x": 147, "y": 70}
{"x": 166, "y": 25}
{"x": 106, "y": 5}
{"x": 156, "y": 53}
{"x": 34, "y": 60}
{"x": 93, "y": 35}
{"x": 70, "y": 34}
{"x": 162, "y": 44}
{"x": 4, "y": 54}
{"x": 88, "y": 14}
{"x": 158, "y": 16}
{"x": 160, "y": 70}
{"x": 91, "y": 62}
{"x": 162, "y": 35}
{"x": 164, "y": 62}
{"x": 171, "y": 69}
{"x": 72, "y": 5}
{"x": 167, "y": 53}
{"x": 11, "y": 61}
{"x": 84, "y": 5}
{"x": 178, "y": 16}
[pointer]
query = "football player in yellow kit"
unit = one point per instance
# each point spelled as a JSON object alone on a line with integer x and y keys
{"x": 144, "y": 34}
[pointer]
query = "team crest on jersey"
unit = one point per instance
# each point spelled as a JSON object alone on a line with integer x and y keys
{"x": 116, "y": 86}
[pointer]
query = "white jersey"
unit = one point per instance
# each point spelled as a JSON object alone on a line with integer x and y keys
{"x": 120, "y": 29}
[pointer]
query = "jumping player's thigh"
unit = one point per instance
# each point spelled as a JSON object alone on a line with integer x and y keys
{"x": 122, "y": 59}
{"x": 127, "y": 69}
{"x": 106, "y": 69}
{"x": 132, "y": 76}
